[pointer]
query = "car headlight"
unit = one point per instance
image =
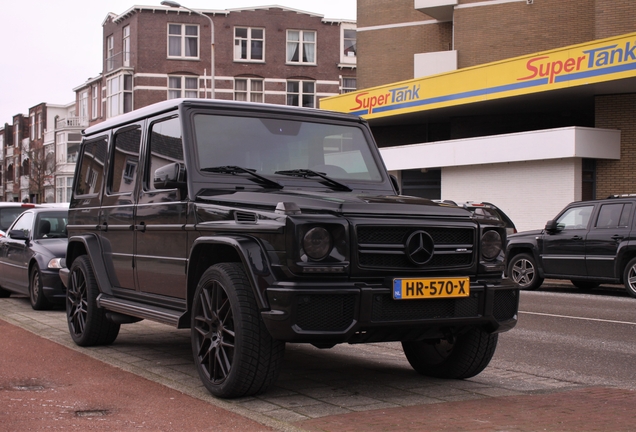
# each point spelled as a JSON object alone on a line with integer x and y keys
{"x": 491, "y": 245}
{"x": 55, "y": 263}
{"x": 317, "y": 243}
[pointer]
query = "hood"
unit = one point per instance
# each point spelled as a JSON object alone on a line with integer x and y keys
{"x": 344, "y": 203}
{"x": 55, "y": 247}
{"x": 522, "y": 234}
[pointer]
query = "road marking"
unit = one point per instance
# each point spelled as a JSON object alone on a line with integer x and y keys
{"x": 579, "y": 318}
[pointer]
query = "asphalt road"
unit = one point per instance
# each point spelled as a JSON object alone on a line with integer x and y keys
{"x": 567, "y": 334}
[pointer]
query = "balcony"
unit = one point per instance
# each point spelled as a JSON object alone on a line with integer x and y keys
{"x": 71, "y": 122}
{"x": 441, "y": 10}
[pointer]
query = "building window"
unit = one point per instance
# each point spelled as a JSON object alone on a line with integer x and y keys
{"x": 248, "y": 89}
{"x": 126, "y": 45}
{"x": 349, "y": 49}
{"x": 94, "y": 101}
{"x": 110, "y": 53}
{"x": 249, "y": 44}
{"x": 10, "y": 173}
{"x": 301, "y": 46}
{"x": 32, "y": 128}
{"x": 83, "y": 105}
{"x": 119, "y": 95}
{"x": 348, "y": 85}
{"x": 183, "y": 41}
{"x": 40, "y": 125}
{"x": 183, "y": 86}
{"x": 301, "y": 93}
{"x": 60, "y": 151}
{"x": 63, "y": 187}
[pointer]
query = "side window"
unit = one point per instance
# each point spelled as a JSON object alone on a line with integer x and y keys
{"x": 614, "y": 215}
{"x": 166, "y": 152}
{"x": 575, "y": 218}
{"x": 24, "y": 223}
{"x": 125, "y": 160}
{"x": 91, "y": 171}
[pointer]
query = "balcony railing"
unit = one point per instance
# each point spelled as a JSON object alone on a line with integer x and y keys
{"x": 71, "y": 122}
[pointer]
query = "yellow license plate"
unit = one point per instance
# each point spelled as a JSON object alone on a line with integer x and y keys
{"x": 404, "y": 289}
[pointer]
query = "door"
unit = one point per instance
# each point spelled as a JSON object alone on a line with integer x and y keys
{"x": 611, "y": 227}
{"x": 160, "y": 236}
{"x": 563, "y": 251}
{"x": 118, "y": 207}
{"x": 16, "y": 254}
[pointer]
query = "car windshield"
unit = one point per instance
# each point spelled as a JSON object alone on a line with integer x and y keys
{"x": 8, "y": 215}
{"x": 51, "y": 225}
{"x": 267, "y": 146}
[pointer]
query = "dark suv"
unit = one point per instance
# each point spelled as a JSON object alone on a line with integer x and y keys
{"x": 589, "y": 242}
{"x": 256, "y": 225}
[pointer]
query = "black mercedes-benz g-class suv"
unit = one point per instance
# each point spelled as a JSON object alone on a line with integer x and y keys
{"x": 256, "y": 225}
{"x": 588, "y": 242}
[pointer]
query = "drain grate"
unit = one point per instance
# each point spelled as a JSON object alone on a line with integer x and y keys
{"x": 91, "y": 413}
{"x": 28, "y": 387}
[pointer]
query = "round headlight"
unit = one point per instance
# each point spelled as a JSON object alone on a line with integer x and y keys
{"x": 317, "y": 243}
{"x": 491, "y": 245}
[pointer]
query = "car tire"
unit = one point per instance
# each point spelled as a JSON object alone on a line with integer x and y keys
{"x": 629, "y": 277}
{"x": 234, "y": 353}
{"x": 87, "y": 323}
{"x": 461, "y": 357}
{"x": 584, "y": 285}
{"x": 36, "y": 291}
{"x": 4, "y": 293}
{"x": 523, "y": 271}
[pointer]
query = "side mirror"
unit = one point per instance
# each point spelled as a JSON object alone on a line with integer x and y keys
{"x": 18, "y": 235}
{"x": 171, "y": 176}
{"x": 551, "y": 226}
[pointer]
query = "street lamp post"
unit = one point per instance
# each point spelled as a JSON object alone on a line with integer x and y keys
{"x": 174, "y": 4}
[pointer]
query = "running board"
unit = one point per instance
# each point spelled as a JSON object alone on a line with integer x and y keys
{"x": 128, "y": 307}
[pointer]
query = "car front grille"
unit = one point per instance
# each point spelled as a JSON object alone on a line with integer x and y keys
{"x": 382, "y": 247}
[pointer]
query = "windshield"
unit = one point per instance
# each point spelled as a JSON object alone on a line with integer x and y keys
{"x": 266, "y": 146}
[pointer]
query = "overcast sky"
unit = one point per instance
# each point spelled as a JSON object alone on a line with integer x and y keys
{"x": 49, "y": 47}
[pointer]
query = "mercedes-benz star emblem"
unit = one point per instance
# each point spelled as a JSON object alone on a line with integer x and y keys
{"x": 419, "y": 247}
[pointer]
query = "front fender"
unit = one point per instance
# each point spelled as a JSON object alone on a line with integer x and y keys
{"x": 248, "y": 250}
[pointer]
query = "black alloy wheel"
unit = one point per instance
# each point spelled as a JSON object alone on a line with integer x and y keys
{"x": 234, "y": 354}
{"x": 87, "y": 323}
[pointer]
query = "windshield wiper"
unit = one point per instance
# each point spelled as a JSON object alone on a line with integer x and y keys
{"x": 306, "y": 173}
{"x": 232, "y": 169}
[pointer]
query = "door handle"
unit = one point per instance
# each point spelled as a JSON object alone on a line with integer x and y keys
{"x": 102, "y": 227}
{"x": 141, "y": 227}
{"x": 577, "y": 238}
{"x": 617, "y": 237}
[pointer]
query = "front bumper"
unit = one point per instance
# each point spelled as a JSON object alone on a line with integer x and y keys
{"x": 361, "y": 313}
{"x": 52, "y": 286}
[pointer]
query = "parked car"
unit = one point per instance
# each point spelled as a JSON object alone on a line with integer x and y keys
{"x": 31, "y": 254}
{"x": 486, "y": 210}
{"x": 255, "y": 225}
{"x": 588, "y": 242}
{"x": 9, "y": 211}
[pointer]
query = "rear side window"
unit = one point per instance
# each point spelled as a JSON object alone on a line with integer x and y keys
{"x": 614, "y": 215}
{"x": 125, "y": 160}
{"x": 8, "y": 215}
{"x": 91, "y": 170}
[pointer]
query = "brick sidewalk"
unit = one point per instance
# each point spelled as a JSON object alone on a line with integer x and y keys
{"x": 348, "y": 388}
{"x": 590, "y": 409}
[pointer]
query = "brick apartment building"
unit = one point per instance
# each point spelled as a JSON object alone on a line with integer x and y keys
{"x": 38, "y": 154}
{"x": 265, "y": 54}
{"x": 262, "y": 54}
{"x": 529, "y": 104}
